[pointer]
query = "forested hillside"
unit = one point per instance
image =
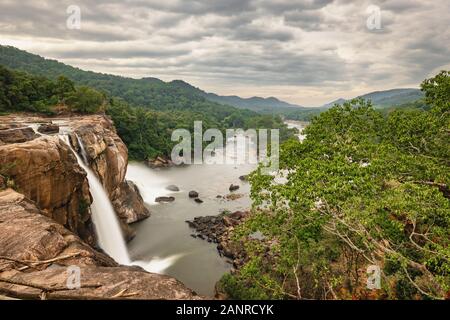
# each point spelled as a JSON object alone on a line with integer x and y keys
{"x": 387, "y": 98}
{"x": 362, "y": 190}
{"x": 144, "y": 111}
{"x": 147, "y": 92}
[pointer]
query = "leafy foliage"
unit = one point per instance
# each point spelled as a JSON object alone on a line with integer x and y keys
{"x": 20, "y": 91}
{"x": 362, "y": 189}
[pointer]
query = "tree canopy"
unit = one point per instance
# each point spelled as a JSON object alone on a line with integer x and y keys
{"x": 363, "y": 189}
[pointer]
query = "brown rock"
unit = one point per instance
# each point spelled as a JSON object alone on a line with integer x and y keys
{"x": 2, "y": 182}
{"x": 165, "y": 199}
{"x": 193, "y": 194}
{"x": 17, "y": 135}
{"x": 129, "y": 204}
{"x": 237, "y": 215}
{"x": 28, "y": 235}
{"x": 234, "y": 196}
{"x": 46, "y": 171}
{"x": 233, "y": 188}
{"x": 48, "y": 128}
{"x": 108, "y": 158}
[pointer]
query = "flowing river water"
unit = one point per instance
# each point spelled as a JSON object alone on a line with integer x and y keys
{"x": 165, "y": 238}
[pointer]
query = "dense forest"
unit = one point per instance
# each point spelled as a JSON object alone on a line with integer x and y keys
{"x": 365, "y": 188}
{"x": 145, "y": 130}
{"x": 146, "y": 92}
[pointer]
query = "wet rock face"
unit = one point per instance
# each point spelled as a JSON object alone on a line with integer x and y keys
{"x": 165, "y": 199}
{"x": 108, "y": 157}
{"x": 173, "y": 188}
{"x": 48, "y": 128}
{"x": 16, "y": 135}
{"x": 35, "y": 252}
{"x": 193, "y": 194}
{"x": 159, "y": 162}
{"x": 27, "y": 234}
{"x": 129, "y": 204}
{"x": 217, "y": 229}
{"x": 106, "y": 153}
{"x": 46, "y": 171}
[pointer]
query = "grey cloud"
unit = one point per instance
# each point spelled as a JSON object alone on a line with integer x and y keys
{"x": 319, "y": 44}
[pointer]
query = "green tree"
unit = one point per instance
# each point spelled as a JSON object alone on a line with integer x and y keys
{"x": 85, "y": 100}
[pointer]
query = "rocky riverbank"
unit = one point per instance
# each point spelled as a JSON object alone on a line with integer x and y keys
{"x": 219, "y": 229}
{"x": 45, "y": 218}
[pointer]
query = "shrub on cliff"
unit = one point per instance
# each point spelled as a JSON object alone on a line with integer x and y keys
{"x": 85, "y": 100}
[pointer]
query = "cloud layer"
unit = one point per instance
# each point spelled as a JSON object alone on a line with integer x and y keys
{"x": 306, "y": 52}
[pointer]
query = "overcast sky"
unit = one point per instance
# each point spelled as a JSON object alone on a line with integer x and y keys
{"x": 307, "y": 52}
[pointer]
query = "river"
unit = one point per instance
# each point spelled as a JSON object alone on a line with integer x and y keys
{"x": 164, "y": 241}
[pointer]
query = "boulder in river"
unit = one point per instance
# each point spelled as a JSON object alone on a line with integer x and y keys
{"x": 243, "y": 178}
{"x": 165, "y": 199}
{"x": 234, "y": 187}
{"x": 193, "y": 194}
{"x": 234, "y": 196}
{"x": 173, "y": 188}
{"x": 159, "y": 162}
{"x": 198, "y": 200}
{"x": 48, "y": 128}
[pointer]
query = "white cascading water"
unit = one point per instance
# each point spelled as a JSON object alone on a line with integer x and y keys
{"x": 104, "y": 217}
{"x": 107, "y": 226}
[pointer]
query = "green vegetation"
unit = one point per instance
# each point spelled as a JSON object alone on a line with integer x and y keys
{"x": 147, "y": 133}
{"x": 21, "y": 92}
{"x": 144, "y": 111}
{"x": 363, "y": 189}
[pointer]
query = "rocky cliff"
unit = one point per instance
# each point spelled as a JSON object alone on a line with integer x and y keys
{"x": 36, "y": 251}
{"x": 44, "y": 169}
{"x": 107, "y": 155}
{"x": 45, "y": 222}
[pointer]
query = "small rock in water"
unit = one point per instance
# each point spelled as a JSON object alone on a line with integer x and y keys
{"x": 193, "y": 194}
{"x": 233, "y": 188}
{"x": 243, "y": 178}
{"x": 234, "y": 196}
{"x": 198, "y": 200}
{"x": 165, "y": 199}
{"x": 48, "y": 128}
{"x": 173, "y": 188}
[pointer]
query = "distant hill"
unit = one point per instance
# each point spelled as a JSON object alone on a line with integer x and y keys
{"x": 254, "y": 103}
{"x": 332, "y": 103}
{"x": 387, "y": 99}
{"x": 147, "y": 91}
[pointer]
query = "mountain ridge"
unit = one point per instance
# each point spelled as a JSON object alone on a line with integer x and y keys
{"x": 384, "y": 98}
{"x": 237, "y": 101}
{"x": 18, "y": 59}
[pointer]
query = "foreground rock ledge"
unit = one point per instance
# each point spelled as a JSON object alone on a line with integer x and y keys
{"x": 35, "y": 252}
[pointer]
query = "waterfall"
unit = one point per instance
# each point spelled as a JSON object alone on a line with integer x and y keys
{"x": 105, "y": 220}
